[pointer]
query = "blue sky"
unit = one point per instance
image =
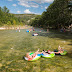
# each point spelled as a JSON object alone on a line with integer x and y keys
{"x": 26, "y": 6}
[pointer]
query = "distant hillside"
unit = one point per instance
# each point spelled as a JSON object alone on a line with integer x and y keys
{"x": 23, "y": 15}
{"x": 8, "y": 19}
{"x": 26, "y": 17}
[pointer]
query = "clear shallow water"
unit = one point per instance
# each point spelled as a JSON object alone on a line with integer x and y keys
{"x": 14, "y": 45}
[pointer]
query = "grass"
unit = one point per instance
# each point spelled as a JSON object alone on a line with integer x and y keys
{"x": 14, "y": 45}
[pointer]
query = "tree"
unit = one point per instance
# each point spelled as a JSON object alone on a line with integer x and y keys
{"x": 5, "y": 9}
{"x": 14, "y": 23}
{"x": 21, "y": 23}
{"x": 55, "y": 16}
{"x": 8, "y": 24}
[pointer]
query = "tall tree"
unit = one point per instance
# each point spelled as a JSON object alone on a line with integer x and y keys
{"x": 14, "y": 23}
{"x": 55, "y": 16}
{"x": 5, "y": 9}
{"x": 8, "y": 24}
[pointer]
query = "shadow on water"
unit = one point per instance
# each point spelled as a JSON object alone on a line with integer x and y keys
{"x": 60, "y": 35}
{"x": 56, "y": 34}
{"x": 69, "y": 44}
{"x": 69, "y": 54}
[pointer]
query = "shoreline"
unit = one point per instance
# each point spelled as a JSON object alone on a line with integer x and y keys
{"x": 18, "y": 27}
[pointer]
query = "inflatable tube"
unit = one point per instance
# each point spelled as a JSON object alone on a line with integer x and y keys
{"x": 36, "y": 57}
{"x": 27, "y": 31}
{"x": 64, "y": 53}
{"x": 31, "y": 53}
{"x": 48, "y": 55}
{"x": 35, "y": 34}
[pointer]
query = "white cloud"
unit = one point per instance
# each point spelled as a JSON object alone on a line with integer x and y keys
{"x": 18, "y": 11}
{"x": 37, "y": 1}
{"x": 14, "y": 5}
{"x": 10, "y": 0}
{"x": 47, "y": 1}
{"x": 45, "y": 7}
{"x": 36, "y": 13}
{"x": 33, "y": 5}
{"x": 27, "y": 3}
{"x": 41, "y": 6}
{"x": 24, "y": 4}
{"x": 27, "y": 11}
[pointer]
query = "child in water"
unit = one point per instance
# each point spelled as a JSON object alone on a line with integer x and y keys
{"x": 16, "y": 29}
{"x": 19, "y": 29}
{"x": 33, "y": 29}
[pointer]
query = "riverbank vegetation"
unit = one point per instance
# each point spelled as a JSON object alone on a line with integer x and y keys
{"x": 8, "y": 19}
{"x": 56, "y": 16}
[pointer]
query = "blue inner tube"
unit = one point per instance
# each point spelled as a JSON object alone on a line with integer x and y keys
{"x": 27, "y": 31}
{"x": 35, "y": 58}
{"x": 48, "y": 55}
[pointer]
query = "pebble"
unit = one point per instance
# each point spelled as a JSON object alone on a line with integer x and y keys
{"x": 63, "y": 41}
{"x": 0, "y": 65}
{"x": 11, "y": 48}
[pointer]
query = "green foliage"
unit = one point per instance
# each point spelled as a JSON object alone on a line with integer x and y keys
{"x": 35, "y": 21}
{"x": 24, "y": 17}
{"x": 15, "y": 19}
{"x": 6, "y": 17}
{"x": 8, "y": 23}
{"x": 55, "y": 16}
{"x": 5, "y": 9}
{"x": 21, "y": 23}
{"x": 14, "y": 22}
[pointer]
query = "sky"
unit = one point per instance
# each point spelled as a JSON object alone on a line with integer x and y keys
{"x": 26, "y": 6}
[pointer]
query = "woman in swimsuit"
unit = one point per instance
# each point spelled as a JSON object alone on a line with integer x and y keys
{"x": 60, "y": 50}
{"x": 46, "y": 52}
{"x": 33, "y": 55}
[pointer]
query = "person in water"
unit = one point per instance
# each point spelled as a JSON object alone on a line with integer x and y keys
{"x": 60, "y": 50}
{"x": 33, "y": 29}
{"x": 16, "y": 29}
{"x": 46, "y": 52}
{"x": 33, "y": 55}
